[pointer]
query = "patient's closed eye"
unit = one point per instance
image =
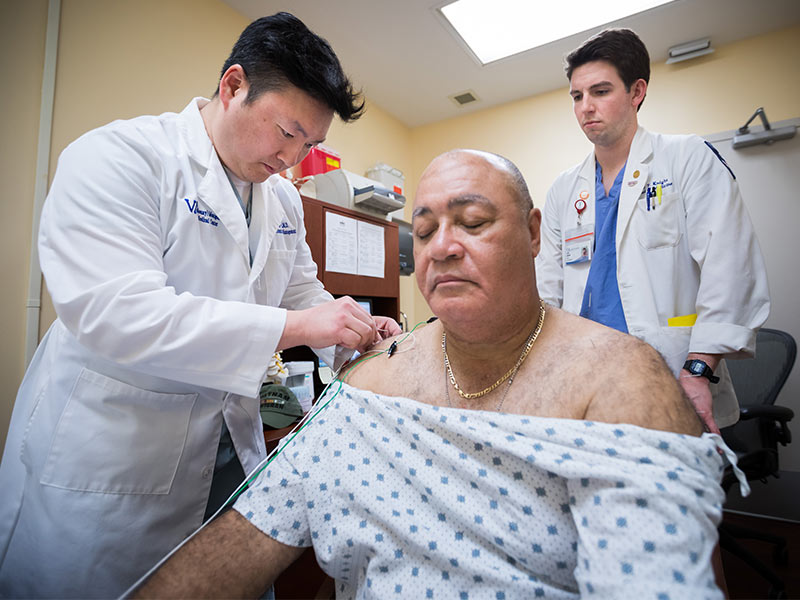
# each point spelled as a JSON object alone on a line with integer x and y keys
{"x": 423, "y": 232}
{"x": 474, "y": 224}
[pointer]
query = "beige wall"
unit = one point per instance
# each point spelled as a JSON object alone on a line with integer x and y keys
{"x": 379, "y": 137}
{"x": 120, "y": 58}
{"x": 22, "y": 35}
{"x": 717, "y": 92}
{"x": 720, "y": 91}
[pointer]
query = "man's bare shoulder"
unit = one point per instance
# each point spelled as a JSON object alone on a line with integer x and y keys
{"x": 630, "y": 382}
{"x": 638, "y": 388}
{"x": 396, "y": 366}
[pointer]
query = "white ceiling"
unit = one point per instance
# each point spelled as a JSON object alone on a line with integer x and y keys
{"x": 407, "y": 61}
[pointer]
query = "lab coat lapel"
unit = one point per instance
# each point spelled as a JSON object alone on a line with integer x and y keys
{"x": 216, "y": 193}
{"x": 214, "y": 189}
{"x": 586, "y": 183}
{"x": 267, "y": 216}
{"x": 634, "y": 179}
{"x": 586, "y": 172}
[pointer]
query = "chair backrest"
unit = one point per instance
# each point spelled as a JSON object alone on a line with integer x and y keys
{"x": 758, "y": 380}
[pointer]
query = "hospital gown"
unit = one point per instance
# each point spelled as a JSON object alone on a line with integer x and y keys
{"x": 408, "y": 500}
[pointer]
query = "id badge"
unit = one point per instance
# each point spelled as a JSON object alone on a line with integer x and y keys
{"x": 578, "y": 244}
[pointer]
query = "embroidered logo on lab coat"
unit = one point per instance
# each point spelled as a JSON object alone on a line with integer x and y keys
{"x": 204, "y": 216}
{"x": 286, "y": 229}
{"x": 664, "y": 183}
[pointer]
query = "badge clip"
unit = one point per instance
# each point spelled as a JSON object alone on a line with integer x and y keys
{"x": 580, "y": 204}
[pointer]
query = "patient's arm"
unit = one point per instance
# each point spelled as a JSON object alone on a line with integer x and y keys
{"x": 635, "y": 386}
{"x": 230, "y": 558}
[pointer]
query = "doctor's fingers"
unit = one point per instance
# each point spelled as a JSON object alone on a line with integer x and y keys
{"x": 386, "y": 328}
{"x": 709, "y": 424}
{"x": 351, "y": 324}
{"x": 699, "y": 394}
{"x": 358, "y": 335}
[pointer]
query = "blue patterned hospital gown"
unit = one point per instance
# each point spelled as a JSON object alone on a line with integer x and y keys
{"x": 406, "y": 500}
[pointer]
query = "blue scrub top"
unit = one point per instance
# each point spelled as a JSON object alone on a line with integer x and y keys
{"x": 601, "y": 301}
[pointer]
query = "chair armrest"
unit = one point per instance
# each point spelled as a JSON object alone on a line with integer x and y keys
{"x": 762, "y": 411}
{"x": 779, "y": 415}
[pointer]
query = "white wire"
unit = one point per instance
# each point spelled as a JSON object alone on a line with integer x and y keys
{"x": 247, "y": 480}
{"x": 255, "y": 472}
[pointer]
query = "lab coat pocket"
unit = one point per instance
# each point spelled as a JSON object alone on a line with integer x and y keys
{"x": 115, "y": 438}
{"x": 659, "y": 227}
{"x": 277, "y": 273}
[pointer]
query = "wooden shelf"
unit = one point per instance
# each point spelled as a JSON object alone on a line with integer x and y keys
{"x": 383, "y": 291}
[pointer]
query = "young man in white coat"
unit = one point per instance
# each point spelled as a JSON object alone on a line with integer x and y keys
{"x": 649, "y": 234}
{"x": 177, "y": 263}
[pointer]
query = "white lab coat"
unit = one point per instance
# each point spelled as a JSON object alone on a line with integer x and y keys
{"x": 694, "y": 253}
{"x": 164, "y": 329}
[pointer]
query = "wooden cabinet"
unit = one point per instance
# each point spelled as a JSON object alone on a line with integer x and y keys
{"x": 384, "y": 292}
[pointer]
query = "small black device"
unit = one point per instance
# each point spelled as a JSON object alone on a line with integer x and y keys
{"x": 700, "y": 369}
{"x": 406, "y": 244}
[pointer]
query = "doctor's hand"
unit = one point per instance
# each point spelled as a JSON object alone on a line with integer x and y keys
{"x": 386, "y": 327}
{"x": 699, "y": 393}
{"x": 338, "y": 322}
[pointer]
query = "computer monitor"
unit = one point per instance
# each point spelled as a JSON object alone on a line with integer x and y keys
{"x": 406, "y": 246}
{"x": 365, "y": 303}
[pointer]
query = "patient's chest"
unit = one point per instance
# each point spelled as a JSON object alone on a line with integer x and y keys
{"x": 544, "y": 389}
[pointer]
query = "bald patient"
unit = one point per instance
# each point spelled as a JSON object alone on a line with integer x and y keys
{"x": 489, "y": 453}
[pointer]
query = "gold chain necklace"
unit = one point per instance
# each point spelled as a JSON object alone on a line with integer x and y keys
{"x": 528, "y": 345}
{"x": 499, "y": 404}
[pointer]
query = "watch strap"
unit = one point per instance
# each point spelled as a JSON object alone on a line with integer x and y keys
{"x": 699, "y": 368}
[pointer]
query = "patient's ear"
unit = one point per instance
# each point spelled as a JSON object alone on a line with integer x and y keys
{"x": 535, "y": 228}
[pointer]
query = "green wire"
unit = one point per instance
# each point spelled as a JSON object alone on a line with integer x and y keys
{"x": 246, "y": 484}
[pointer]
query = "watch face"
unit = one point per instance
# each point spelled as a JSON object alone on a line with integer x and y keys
{"x": 700, "y": 369}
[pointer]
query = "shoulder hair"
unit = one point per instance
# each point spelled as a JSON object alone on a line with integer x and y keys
{"x": 406, "y": 372}
{"x": 358, "y": 371}
{"x": 636, "y": 387}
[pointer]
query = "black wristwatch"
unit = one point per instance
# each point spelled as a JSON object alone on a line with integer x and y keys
{"x": 700, "y": 369}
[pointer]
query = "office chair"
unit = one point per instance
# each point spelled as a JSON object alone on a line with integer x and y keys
{"x": 755, "y": 438}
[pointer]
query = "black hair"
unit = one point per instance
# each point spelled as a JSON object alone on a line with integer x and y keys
{"x": 280, "y": 50}
{"x": 620, "y": 47}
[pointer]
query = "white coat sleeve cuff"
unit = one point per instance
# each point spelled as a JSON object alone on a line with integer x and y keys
{"x": 334, "y": 356}
{"x": 732, "y": 341}
{"x": 267, "y": 323}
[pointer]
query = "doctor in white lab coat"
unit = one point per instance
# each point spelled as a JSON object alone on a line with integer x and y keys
{"x": 177, "y": 263}
{"x": 689, "y": 275}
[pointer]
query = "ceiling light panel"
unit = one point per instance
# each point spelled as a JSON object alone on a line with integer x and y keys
{"x": 495, "y": 29}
